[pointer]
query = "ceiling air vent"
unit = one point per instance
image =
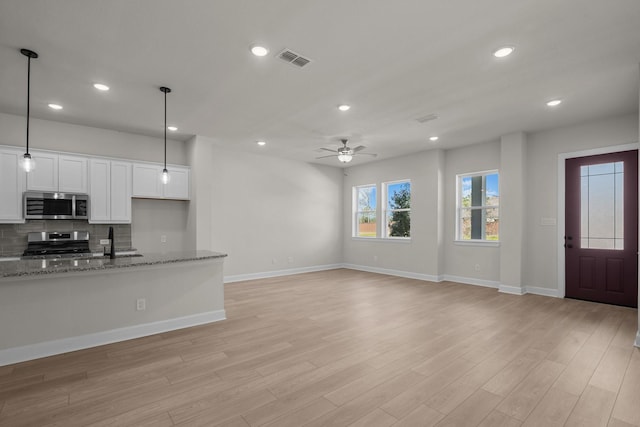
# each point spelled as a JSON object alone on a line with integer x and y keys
{"x": 427, "y": 118}
{"x": 293, "y": 58}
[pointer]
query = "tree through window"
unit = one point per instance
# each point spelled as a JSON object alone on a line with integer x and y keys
{"x": 398, "y": 209}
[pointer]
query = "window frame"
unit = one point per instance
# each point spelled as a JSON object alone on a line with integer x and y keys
{"x": 384, "y": 232}
{"x": 356, "y": 211}
{"x": 483, "y": 208}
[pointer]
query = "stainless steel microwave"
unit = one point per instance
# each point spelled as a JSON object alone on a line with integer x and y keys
{"x": 38, "y": 205}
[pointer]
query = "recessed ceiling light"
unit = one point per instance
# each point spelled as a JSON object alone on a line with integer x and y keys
{"x": 259, "y": 50}
{"x": 101, "y": 87}
{"x": 433, "y": 138}
{"x": 554, "y": 102}
{"x": 344, "y": 107}
{"x": 55, "y": 106}
{"x": 503, "y": 51}
{"x": 261, "y": 143}
{"x": 172, "y": 128}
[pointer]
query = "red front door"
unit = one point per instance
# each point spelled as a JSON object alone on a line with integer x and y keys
{"x": 601, "y": 240}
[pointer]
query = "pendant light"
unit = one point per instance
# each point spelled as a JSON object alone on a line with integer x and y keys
{"x": 27, "y": 162}
{"x": 165, "y": 172}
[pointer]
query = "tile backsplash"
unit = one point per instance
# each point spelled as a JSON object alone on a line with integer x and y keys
{"x": 13, "y": 237}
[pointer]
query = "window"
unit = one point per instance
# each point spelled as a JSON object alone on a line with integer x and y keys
{"x": 365, "y": 211}
{"x": 478, "y": 207}
{"x": 397, "y": 209}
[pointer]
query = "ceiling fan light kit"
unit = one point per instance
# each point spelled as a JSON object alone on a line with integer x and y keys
{"x": 345, "y": 154}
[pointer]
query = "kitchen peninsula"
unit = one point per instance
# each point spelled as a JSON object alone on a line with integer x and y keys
{"x": 54, "y": 306}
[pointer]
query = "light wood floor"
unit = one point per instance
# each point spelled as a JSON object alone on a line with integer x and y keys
{"x": 347, "y": 348}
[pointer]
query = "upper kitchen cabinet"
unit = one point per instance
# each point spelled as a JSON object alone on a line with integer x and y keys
{"x": 58, "y": 173}
{"x": 147, "y": 182}
{"x": 110, "y": 191}
{"x": 12, "y": 184}
{"x": 44, "y": 176}
{"x": 178, "y": 185}
{"x": 72, "y": 174}
{"x": 120, "y": 191}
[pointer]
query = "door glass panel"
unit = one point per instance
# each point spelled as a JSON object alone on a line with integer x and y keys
{"x": 601, "y": 206}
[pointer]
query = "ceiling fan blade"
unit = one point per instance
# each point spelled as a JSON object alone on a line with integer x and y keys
{"x": 368, "y": 154}
{"x": 327, "y": 149}
{"x": 358, "y": 148}
{"x": 324, "y": 157}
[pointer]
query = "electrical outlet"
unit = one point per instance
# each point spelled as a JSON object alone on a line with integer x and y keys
{"x": 105, "y": 241}
{"x": 477, "y": 267}
{"x": 375, "y": 258}
{"x": 274, "y": 261}
{"x": 141, "y": 304}
{"x": 290, "y": 260}
{"x": 163, "y": 238}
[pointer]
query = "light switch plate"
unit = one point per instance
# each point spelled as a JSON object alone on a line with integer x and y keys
{"x": 547, "y": 221}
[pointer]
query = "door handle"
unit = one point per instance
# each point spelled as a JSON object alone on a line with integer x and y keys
{"x": 568, "y": 246}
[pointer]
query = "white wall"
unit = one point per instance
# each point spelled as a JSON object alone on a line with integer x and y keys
{"x": 541, "y": 247}
{"x": 421, "y": 254}
{"x": 58, "y": 136}
{"x": 268, "y": 214}
{"x": 152, "y": 219}
{"x": 465, "y": 261}
{"x": 431, "y": 255}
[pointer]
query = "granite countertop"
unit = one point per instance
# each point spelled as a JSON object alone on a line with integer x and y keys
{"x": 39, "y": 267}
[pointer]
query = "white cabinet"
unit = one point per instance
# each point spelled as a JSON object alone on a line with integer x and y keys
{"x": 12, "y": 184}
{"x": 178, "y": 185}
{"x": 99, "y": 190}
{"x": 147, "y": 182}
{"x": 44, "y": 176}
{"x": 72, "y": 174}
{"x": 57, "y": 172}
{"x": 120, "y": 191}
{"x": 109, "y": 191}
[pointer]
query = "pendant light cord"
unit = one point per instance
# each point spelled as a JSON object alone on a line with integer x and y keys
{"x": 28, "y": 97}
{"x": 165, "y": 130}
{"x": 30, "y": 55}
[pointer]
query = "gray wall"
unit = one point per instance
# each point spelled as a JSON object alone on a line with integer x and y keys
{"x": 420, "y": 254}
{"x": 429, "y": 256}
{"x": 541, "y": 249}
{"x": 265, "y": 211}
{"x": 269, "y": 214}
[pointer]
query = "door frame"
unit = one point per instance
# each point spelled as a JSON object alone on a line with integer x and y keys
{"x": 562, "y": 157}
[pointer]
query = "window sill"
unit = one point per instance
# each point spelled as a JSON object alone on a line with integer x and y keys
{"x": 380, "y": 240}
{"x": 486, "y": 243}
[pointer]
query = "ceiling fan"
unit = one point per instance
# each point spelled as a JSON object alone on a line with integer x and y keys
{"x": 345, "y": 154}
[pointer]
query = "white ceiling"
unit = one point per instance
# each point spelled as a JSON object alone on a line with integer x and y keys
{"x": 393, "y": 61}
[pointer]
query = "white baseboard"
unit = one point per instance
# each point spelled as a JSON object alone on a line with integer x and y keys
{"x": 398, "y": 273}
{"x": 637, "y": 343}
{"x": 545, "y": 292}
{"x": 65, "y": 345}
{"x": 277, "y": 273}
{"x": 472, "y": 281}
{"x": 513, "y": 290}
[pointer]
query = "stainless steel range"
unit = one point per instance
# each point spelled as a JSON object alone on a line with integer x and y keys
{"x": 57, "y": 244}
